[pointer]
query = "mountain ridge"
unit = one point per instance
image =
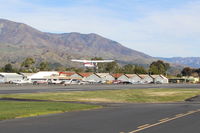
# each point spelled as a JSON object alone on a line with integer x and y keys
{"x": 18, "y": 41}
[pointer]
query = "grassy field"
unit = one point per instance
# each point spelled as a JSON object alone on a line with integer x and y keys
{"x": 14, "y": 109}
{"x": 119, "y": 96}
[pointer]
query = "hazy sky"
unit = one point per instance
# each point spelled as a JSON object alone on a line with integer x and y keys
{"x": 156, "y": 27}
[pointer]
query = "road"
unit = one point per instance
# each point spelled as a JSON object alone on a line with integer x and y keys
{"x": 117, "y": 118}
{"x": 9, "y": 89}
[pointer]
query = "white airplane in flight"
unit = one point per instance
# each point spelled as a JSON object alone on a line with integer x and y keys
{"x": 91, "y": 63}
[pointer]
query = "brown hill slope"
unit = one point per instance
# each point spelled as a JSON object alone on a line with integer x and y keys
{"x": 18, "y": 41}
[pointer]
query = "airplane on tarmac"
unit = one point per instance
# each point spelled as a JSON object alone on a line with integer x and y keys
{"x": 92, "y": 63}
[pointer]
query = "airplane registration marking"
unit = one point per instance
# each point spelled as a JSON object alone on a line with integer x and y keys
{"x": 146, "y": 126}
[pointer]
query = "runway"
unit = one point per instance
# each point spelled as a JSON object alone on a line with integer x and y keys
{"x": 117, "y": 118}
{"x": 11, "y": 89}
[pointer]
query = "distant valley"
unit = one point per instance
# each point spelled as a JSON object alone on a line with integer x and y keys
{"x": 187, "y": 61}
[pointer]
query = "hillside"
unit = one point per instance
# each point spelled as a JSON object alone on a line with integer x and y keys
{"x": 18, "y": 41}
{"x": 187, "y": 61}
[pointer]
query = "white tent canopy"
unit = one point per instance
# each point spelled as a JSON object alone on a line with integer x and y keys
{"x": 43, "y": 74}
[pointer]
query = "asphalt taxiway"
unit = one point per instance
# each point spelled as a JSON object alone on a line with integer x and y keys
{"x": 117, "y": 118}
{"x": 114, "y": 118}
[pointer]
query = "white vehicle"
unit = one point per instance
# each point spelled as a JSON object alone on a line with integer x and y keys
{"x": 84, "y": 83}
{"x": 71, "y": 81}
{"x": 21, "y": 82}
{"x": 54, "y": 81}
{"x": 93, "y": 82}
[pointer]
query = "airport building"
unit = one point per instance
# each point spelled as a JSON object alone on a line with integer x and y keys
{"x": 145, "y": 78}
{"x": 42, "y": 76}
{"x": 46, "y": 76}
{"x": 9, "y": 77}
{"x": 106, "y": 77}
{"x": 134, "y": 78}
{"x": 123, "y": 78}
{"x": 117, "y": 75}
{"x": 90, "y": 77}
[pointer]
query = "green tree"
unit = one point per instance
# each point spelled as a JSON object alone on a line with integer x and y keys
{"x": 140, "y": 70}
{"x": 198, "y": 72}
{"x": 60, "y": 68}
{"x": 78, "y": 70}
{"x": 74, "y": 69}
{"x": 1, "y": 69}
{"x": 44, "y": 66}
{"x": 89, "y": 69}
{"x": 179, "y": 75}
{"x": 111, "y": 67}
{"x": 8, "y": 68}
{"x": 159, "y": 67}
{"x": 28, "y": 65}
{"x": 28, "y": 62}
{"x": 129, "y": 68}
{"x": 187, "y": 71}
{"x": 118, "y": 69}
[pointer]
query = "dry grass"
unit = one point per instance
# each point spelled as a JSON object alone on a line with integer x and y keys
{"x": 119, "y": 96}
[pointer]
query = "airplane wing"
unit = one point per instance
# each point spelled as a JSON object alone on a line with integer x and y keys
{"x": 74, "y": 60}
{"x": 92, "y": 61}
{"x": 96, "y": 61}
